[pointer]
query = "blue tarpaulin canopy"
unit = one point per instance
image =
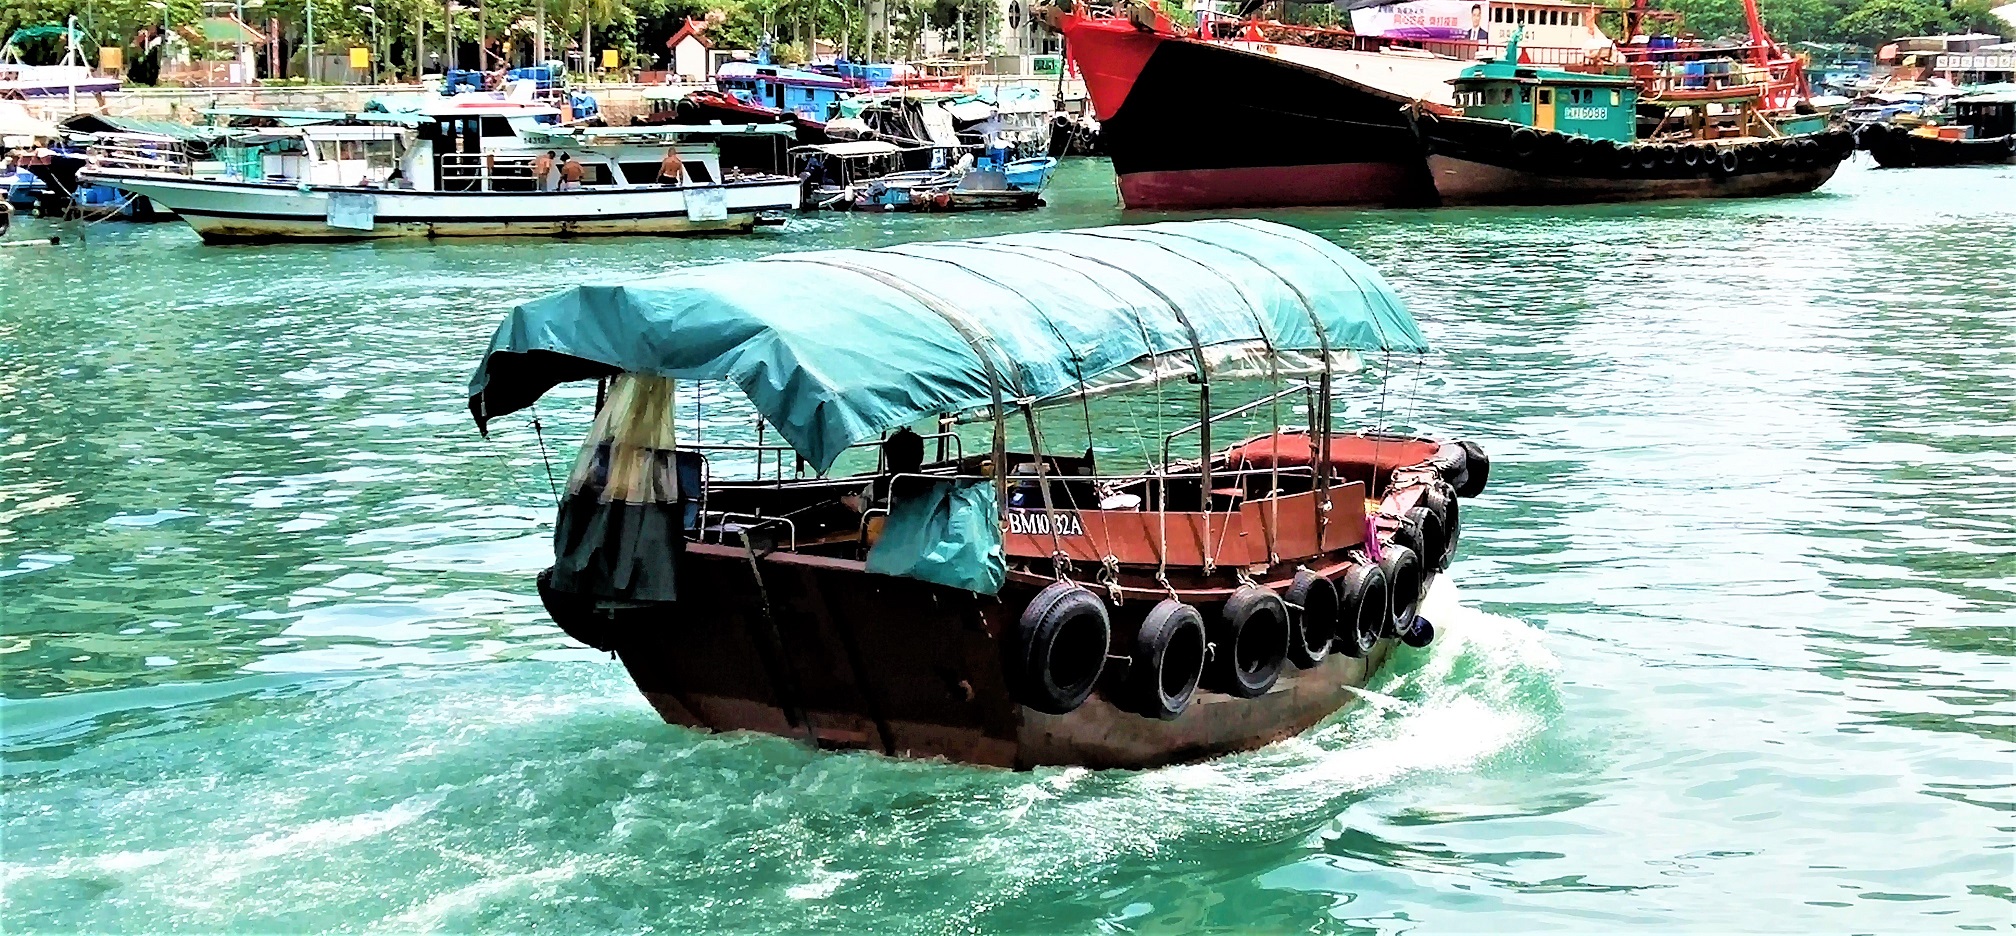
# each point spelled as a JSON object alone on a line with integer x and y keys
{"x": 837, "y": 347}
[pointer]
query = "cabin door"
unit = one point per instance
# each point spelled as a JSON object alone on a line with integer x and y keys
{"x": 1543, "y": 109}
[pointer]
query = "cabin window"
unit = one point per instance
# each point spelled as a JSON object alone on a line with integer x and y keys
{"x": 1525, "y": 95}
{"x": 1576, "y": 17}
{"x": 1546, "y": 95}
{"x": 1616, "y": 97}
{"x": 497, "y": 127}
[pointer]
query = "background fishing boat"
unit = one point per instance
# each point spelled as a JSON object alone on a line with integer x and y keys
{"x": 1978, "y": 129}
{"x": 1525, "y": 134}
{"x": 462, "y": 169}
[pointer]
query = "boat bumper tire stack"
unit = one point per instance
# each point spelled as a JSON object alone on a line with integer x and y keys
{"x": 1402, "y": 568}
{"x": 1167, "y": 662}
{"x": 1362, "y": 605}
{"x": 1312, "y": 618}
{"x": 1249, "y": 645}
{"x": 1058, "y": 648}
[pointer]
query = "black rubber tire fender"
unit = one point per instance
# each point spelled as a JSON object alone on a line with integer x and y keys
{"x": 1249, "y": 643}
{"x": 1809, "y": 152}
{"x": 1477, "y": 470}
{"x": 1668, "y": 154}
{"x": 1167, "y": 662}
{"x": 1312, "y": 618}
{"x": 1524, "y": 142}
{"x": 1729, "y": 160}
{"x": 1404, "y": 581}
{"x": 1647, "y": 159}
{"x": 1059, "y": 648}
{"x": 1451, "y": 463}
{"x": 1362, "y": 602}
{"x": 1442, "y": 501}
{"x": 1433, "y": 538}
{"x": 1690, "y": 156}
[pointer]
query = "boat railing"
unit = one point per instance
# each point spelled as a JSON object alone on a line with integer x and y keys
{"x": 144, "y": 155}
{"x": 1305, "y": 388}
{"x": 487, "y": 172}
{"x": 763, "y": 450}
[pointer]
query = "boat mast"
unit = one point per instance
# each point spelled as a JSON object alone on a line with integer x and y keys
{"x": 1760, "y": 43}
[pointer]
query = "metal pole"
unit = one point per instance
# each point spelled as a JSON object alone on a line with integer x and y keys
{"x": 70, "y": 41}
{"x": 311, "y": 41}
{"x": 539, "y": 41}
{"x": 448, "y": 62}
{"x": 419, "y": 39}
{"x": 244, "y": 54}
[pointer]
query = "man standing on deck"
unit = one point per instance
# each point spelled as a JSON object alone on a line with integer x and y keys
{"x": 542, "y": 171}
{"x": 570, "y": 173}
{"x": 672, "y": 169}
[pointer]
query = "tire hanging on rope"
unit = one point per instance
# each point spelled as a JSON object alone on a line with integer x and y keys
{"x": 1058, "y": 648}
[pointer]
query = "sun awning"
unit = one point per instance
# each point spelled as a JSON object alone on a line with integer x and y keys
{"x": 836, "y": 347}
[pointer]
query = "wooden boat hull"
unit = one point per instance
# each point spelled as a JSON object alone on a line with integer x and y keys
{"x": 858, "y": 661}
{"x": 223, "y": 211}
{"x": 1477, "y": 162}
{"x": 1898, "y": 148}
{"x": 1286, "y": 126}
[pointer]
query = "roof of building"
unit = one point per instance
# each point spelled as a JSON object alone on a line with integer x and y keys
{"x": 691, "y": 29}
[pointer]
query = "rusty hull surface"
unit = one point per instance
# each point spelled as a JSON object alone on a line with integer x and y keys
{"x": 848, "y": 660}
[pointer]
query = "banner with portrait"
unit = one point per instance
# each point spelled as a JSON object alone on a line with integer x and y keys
{"x": 1457, "y": 20}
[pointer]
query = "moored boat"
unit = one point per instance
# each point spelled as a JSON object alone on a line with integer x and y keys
{"x": 865, "y": 175}
{"x": 1527, "y": 134}
{"x": 464, "y": 168}
{"x": 1200, "y": 123}
{"x": 1981, "y": 129}
{"x": 1008, "y": 605}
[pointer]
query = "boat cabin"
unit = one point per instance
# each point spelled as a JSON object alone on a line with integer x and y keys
{"x": 1596, "y": 105}
{"x": 808, "y": 94}
{"x": 1986, "y": 115}
{"x": 470, "y": 148}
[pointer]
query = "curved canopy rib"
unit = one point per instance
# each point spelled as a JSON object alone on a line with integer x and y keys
{"x": 833, "y": 351}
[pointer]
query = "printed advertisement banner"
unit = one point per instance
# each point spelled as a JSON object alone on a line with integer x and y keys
{"x": 1426, "y": 19}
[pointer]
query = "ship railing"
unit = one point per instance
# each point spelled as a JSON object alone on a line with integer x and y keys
{"x": 1222, "y": 27}
{"x": 487, "y": 172}
{"x": 1306, "y": 388}
{"x": 143, "y": 154}
{"x": 776, "y": 454}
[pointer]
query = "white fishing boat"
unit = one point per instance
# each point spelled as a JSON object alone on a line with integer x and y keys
{"x": 69, "y": 78}
{"x": 461, "y": 168}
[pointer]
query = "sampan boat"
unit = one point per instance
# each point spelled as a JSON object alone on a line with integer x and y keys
{"x": 1011, "y": 605}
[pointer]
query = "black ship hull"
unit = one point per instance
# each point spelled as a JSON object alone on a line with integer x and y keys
{"x": 1260, "y": 131}
{"x": 1897, "y": 148}
{"x": 1493, "y": 162}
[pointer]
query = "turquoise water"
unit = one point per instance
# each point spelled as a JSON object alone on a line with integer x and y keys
{"x": 1728, "y": 648}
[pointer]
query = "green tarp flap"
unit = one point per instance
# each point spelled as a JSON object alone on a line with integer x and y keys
{"x": 837, "y": 347}
{"x": 107, "y": 123}
{"x": 944, "y": 532}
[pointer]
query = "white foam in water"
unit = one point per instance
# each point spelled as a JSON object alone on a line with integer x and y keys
{"x": 1485, "y": 685}
{"x": 1465, "y": 697}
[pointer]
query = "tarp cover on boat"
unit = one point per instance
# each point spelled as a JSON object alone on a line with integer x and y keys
{"x": 836, "y": 347}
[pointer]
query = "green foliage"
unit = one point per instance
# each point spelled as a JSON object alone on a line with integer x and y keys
{"x": 1878, "y": 21}
{"x": 1978, "y": 16}
{"x": 1867, "y": 22}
